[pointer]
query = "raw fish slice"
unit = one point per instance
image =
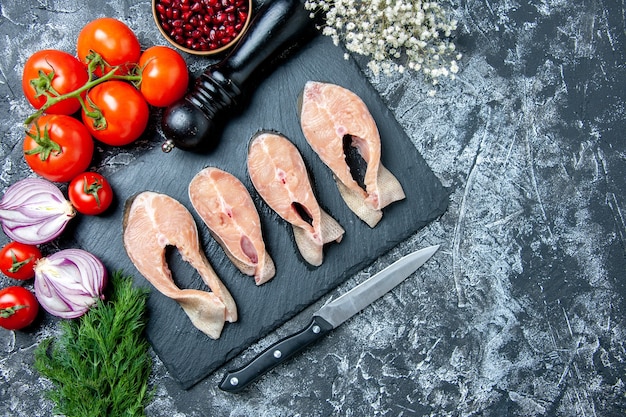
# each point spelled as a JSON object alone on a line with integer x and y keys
{"x": 279, "y": 175}
{"x": 153, "y": 221}
{"x": 227, "y": 209}
{"x": 328, "y": 115}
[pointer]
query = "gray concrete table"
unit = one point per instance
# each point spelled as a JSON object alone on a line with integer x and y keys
{"x": 522, "y": 311}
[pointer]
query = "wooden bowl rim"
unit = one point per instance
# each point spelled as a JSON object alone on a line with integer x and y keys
{"x": 203, "y": 53}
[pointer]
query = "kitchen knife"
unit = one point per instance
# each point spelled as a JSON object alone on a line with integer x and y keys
{"x": 327, "y": 318}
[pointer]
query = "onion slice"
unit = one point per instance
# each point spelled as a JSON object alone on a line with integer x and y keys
{"x": 69, "y": 282}
{"x": 34, "y": 211}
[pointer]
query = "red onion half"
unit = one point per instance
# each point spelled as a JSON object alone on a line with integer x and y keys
{"x": 69, "y": 282}
{"x": 34, "y": 211}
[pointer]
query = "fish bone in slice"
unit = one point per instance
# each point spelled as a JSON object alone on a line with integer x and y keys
{"x": 153, "y": 221}
{"x": 333, "y": 117}
{"x": 279, "y": 175}
{"x": 225, "y": 206}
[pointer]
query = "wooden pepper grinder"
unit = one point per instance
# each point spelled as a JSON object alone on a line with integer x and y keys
{"x": 191, "y": 123}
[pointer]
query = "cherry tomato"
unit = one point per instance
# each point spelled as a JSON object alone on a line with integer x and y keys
{"x": 116, "y": 43}
{"x": 18, "y": 308}
{"x": 90, "y": 193}
{"x": 58, "y": 147}
{"x": 121, "y": 113}
{"x": 164, "y": 76}
{"x": 52, "y": 72}
{"x": 17, "y": 260}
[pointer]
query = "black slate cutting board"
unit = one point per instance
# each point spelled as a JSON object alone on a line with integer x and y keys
{"x": 190, "y": 355}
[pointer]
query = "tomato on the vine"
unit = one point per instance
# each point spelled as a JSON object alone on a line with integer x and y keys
{"x": 116, "y": 113}
{"x": 18, "y": 308}
{"x": 18, "y": 259}
{"x": 53, "y": 73}
{"x": 58, "y": 147}
{"x": 113, "y": 40}
{"x": 164, "y": 76}
{"x": 90, "y": 193}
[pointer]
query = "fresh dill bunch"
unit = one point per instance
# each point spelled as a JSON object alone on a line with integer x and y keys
{"x": 100, "y": 363}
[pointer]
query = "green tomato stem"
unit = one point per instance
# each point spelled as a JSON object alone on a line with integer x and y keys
{"x": 7, "y": 312}
{"x": 45, "y": 144}
{"x": 111, "y": 75}
{"x": 16, "y": 264}
{"x": 92, "y": 189}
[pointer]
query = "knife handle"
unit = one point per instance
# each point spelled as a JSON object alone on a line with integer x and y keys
{"x": 276, "y": 354}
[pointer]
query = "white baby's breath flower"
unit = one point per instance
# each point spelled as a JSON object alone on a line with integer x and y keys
{"x": 391, "y": 31}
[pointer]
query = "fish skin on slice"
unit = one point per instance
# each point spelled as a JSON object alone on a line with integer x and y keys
{"x": 328, "y": 114}
{"x": 279, "y": 175}
{"x": 153, "y": 221}
{"x": 225, "y": 206}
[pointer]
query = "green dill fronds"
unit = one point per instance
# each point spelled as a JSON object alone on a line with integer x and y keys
{"x": 100, "y": 363}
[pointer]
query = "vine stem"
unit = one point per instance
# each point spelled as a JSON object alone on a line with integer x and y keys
{"x": 111, "y": 75}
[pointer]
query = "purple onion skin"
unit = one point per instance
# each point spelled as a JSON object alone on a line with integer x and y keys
{"x": 34, "y": 211}
{"x": 69, "y": 282}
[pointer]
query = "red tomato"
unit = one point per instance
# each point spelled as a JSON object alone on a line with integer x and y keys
{"x": 17, "y": 260}
{"x": 164, "y": 76}
{"x": 52, "y": 72}
{"x": 18, "y": 308}
{"x": 121, "y": 113}
{"x": 90, "y": 193}
{"x": 116, "y": 43}
{"x": 58, "y": 147}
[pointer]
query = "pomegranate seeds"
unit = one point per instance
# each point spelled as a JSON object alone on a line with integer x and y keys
{"x": 202, "y": 25}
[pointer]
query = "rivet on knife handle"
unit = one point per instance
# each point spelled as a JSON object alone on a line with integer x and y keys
{"x": 276, "y": 354}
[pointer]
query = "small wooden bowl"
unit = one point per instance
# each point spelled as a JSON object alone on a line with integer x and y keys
{"x": 201, "y": 35}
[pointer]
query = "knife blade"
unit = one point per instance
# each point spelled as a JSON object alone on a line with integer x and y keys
{"x": 328, "y": 318}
